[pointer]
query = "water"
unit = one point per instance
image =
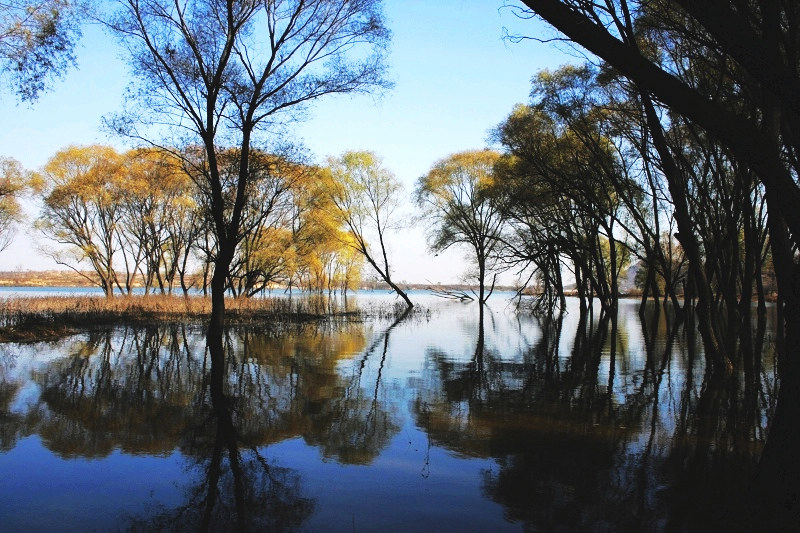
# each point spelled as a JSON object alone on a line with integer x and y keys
{"x": 432, "y": 423}
{"x": 30, "y": 292}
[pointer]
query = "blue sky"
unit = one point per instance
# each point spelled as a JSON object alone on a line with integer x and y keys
{"x": 455, "y": 79}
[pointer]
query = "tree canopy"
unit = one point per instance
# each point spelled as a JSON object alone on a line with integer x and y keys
{"x": 452, "y": 197}
{"x": 37, "y": 38}
{"x": 366, "y": 197}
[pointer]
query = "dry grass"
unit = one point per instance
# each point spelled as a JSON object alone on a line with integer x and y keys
{"x": 37, "y": 318}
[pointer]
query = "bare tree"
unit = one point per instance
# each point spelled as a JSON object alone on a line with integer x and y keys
{"x": 225, "y": 73}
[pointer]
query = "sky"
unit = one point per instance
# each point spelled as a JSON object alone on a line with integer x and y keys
{"x": 455, "y": 79}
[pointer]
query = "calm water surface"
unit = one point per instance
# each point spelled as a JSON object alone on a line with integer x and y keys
{"x": 434, "y": 422}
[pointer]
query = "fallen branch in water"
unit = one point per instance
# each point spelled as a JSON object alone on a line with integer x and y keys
{"x": 451, "y": 294}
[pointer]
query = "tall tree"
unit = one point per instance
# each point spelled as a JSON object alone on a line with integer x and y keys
{"x": 565, "y": 162}
{"x": 225, "y": 73}
{"x": 81, "y": 193}
{"x": 452, "y": 197}
{"x": 367, "y": 196}
{"x": 37, "y": 38}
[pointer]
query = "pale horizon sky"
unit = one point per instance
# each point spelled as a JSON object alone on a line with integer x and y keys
{"x": 455, "y": 79}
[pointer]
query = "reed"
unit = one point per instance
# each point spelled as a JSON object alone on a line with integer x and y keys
{"x": 52, "y": 317}
{"x": 43, "y": 317}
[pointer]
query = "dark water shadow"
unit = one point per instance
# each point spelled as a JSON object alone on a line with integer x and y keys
{"x": 584, "y": 439}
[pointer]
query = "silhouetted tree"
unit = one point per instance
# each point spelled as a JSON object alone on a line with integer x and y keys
{"x": 761, "y": 134}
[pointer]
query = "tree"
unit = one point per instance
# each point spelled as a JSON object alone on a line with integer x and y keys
{"x": 158, "y": 218}
{"x": 81, "y": 189}
{"x": 366, "y": 197}
{"x": 260, "y": 257}
{"x": 317, "y": 236}
{"x": 452, "y": 197}
{"x": 561, "y": 183}
{"x": 36, "y": 42}
{"x": 13, "y": 181}
{"x": 226, "y": 73}
{"x": 761, "y": 131}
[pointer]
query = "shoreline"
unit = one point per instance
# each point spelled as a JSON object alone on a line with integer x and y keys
{"x": 72, "y": 279}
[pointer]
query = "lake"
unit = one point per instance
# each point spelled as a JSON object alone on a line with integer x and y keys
{"x": 434, "y": 422}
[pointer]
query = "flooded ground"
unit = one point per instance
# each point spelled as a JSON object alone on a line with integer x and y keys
{"x": 432, "y": 422}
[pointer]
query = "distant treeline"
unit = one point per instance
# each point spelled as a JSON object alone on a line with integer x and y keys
{"x": 85, "y": 278}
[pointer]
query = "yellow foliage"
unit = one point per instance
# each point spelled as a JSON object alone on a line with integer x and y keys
{"x": 87, "y": 173}
{"x": 459, "y": 173}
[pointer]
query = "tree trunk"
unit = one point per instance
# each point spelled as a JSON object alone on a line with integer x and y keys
{"x": 387, "y": 278}
{"x": 579, "y": 287}
{"x": 219, "y": 282}
{"x": 612, "y": 252}
{"x": 715, "y": 351}
{"x": 647, "y": 285}
{"x": 481, "y": 275}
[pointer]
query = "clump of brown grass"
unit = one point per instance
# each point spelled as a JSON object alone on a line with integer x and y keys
{"x": 43, "y": 317}
{"x": 87, "y": 310}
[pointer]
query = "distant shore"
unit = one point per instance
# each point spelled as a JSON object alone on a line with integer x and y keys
{"x": 69, "y": 278}
{"x": 45, "y": 278}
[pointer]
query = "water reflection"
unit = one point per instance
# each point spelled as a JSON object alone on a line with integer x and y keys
{"x": 551, "y": 422}
{"x": 144, "y": 390}
{"x": 129, "y": 389}
{"x": 154, "y": 390}
{"x": 587, "y": 439}
{"x": 236, "y": 487}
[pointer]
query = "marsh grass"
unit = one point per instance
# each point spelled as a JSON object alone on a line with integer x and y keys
{"x": 42, "y": 318}
{"x": 37, "y": 318}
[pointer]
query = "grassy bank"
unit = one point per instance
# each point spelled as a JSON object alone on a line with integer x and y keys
{"x": 31, "y": 319}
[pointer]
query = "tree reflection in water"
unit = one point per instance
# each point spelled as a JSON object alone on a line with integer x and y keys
{"x": 238, "y": 488}
{"x": 576, "y": 422}
{"x": 221, "y": 403}
{"x": 581, "y": 445}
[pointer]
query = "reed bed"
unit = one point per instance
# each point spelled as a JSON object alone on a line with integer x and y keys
{"x": 42, "y": 317}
